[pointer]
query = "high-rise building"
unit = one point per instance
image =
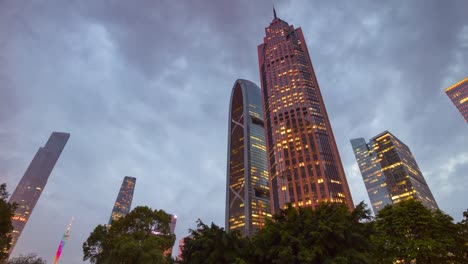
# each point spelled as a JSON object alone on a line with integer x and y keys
{"x": 181, "y": 249}
{"x": 390, "y": 172}
{"x": 458, "y": 93}
{"x": 34, "y": 180}
{"x": 304, "y": 164}
{"x": 123, "y": 203}
{"x": 172, "y": 226}
{"x": 247, "y": 188}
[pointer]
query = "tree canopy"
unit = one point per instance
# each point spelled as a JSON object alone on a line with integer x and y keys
{"x": 408, "y": 231}
{"x": 212, "y": 244}
{"x": 139, "y": 237}
{"x": 328, "y": 234}
{"x": 6, "y": 213}
{"x": 27, "y": 259}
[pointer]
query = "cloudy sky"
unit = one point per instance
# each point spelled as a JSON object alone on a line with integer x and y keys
{"x": 143, "y": 88}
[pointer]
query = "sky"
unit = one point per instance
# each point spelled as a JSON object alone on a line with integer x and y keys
{"x": 143, "y": 88}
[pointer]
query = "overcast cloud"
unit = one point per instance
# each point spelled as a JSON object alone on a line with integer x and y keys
{"x": 143, "y": 88}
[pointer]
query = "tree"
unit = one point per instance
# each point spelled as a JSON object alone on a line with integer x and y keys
{"x": 328, "y": 234}
{"x": 6, "y": 213}
{"x": 27, "y": 259}
{"x": 139, "y": 237}
{"x": 408, "y": 231}
{"x": 213, "y": 245}
{"x": 461, "y": 254}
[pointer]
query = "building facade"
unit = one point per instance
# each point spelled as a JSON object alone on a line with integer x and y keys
{"x": 304, "y": 164}
{"x": 172, "y": 226}
{"x": 34, "y": 180}
{"x": 123, "y": 203}
{"x": 247, "y": 188}
{"x": 390, "y": 172}
{"x": 458, "y": 93}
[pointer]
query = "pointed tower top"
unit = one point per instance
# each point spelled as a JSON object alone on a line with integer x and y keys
{"x": 274, "y": 11}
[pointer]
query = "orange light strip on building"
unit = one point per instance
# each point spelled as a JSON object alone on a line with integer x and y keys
{"x": 457, "y": 84}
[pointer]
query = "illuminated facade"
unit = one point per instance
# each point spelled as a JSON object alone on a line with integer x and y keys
{"x": 304, "y": 164}
{"x": 247, "y": 190}
{"x": 34, "y": 180}
{"x": 390, "y": 172}
{"x": 181, "y": 249}
{"x": 458, "y": 93}
{"x": 124, "y": 199}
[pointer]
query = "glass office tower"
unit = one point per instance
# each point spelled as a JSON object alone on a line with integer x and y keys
{"x": 458, "y": 93}
{"x": 34, "y": 180}
{"x": 304, "y": 164}
{"x": 123, "y": 203}
{"x": 390, "y": 172}
{"x": 247, "y": 188}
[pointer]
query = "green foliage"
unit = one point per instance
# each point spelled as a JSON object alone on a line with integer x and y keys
{"x": 27, "y": 259}
{"x": 131, "y": 239}
{"x": 331, "y": 234}
{"x": 213, "y": 245}
{"x": 461, "y": 253}
{"x": 408, "y": 231}
{"x": 6, "y": 212}
{"x": 328, "y": 234}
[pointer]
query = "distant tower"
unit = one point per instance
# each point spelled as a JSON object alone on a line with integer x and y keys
{"x": 247, "y": 188}
{"x": 172, "y": 226}
{"x": 390, "y": 172}
{"x": 124, "y": 199}
{"x": 181, "y": 249}
{"x": 304, "y": 164}
{"x": 458, "y": 93}
{"x": 34, "y": 180}
{"x": 64, "y": 240}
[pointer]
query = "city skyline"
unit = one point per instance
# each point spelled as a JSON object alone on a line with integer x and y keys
{"x": 390, "y": 172}
{"x": 145, "y": 92}
{"x": 304, "y": 164}
{"x": 247, "y": 184}
{"x": 123, "y": 202}
{"x": 28, "y": 191}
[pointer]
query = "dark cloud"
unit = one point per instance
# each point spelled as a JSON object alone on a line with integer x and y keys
{"x": 144, "y": 89}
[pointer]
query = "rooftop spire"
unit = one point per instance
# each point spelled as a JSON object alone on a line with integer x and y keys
{"x": 274, "y": 11}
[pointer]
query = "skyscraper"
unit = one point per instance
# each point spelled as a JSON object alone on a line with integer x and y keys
{"x": 390, "y": 172}
{"x": 172, "y": 226}
{"x": 124, "y": 199}
{"x": 458, "y": 93}
{"x": 34, "y": 180}
{"x": 304, "y": 164}
{"x": 247, "y": 188}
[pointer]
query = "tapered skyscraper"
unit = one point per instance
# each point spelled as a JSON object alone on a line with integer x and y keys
{"x": 34, "y": 180}
{"x": 390, "y": 172}
{"x": 123, "y": 203}
{"x": 247, "y": 190}
{"x": 304, "y": 164}
{"x": 458, "y": 93}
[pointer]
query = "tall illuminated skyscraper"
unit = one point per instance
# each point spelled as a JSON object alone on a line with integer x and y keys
{"x": 123, "y": 203}
{"x": 390, "y": 172}
{"x": 34, "y": 180}
{"x": 304, "y": 164}
{"x": 458, "y": 93}
{"x": 247, "y": 188}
